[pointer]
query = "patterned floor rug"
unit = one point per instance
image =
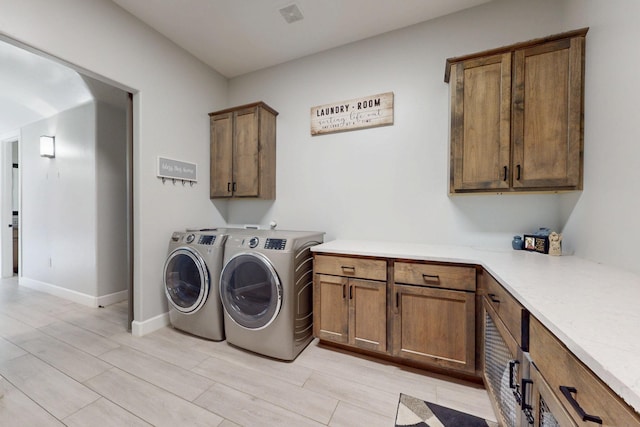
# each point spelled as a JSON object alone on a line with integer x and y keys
{"x": 414, "y": 412}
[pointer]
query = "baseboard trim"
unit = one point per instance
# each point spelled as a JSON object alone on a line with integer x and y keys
{"x": 113, "y": 298}
{"x": 145, "y": 327}
{"x": 72, "y": 295}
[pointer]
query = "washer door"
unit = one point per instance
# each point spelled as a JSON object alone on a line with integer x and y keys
{"x": 250, "y": 290}
{"x": 186, "y": 280}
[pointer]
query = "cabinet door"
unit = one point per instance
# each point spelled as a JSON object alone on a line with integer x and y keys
{"x": 221, "y": 178}
{"x": 330, "y": 308}
{"x": 547, "y": 115}
{"x": 480, "y": 123}
{"x": 245, "y": 153}
{"x": 368, "y": 314}
{"x": 435, "y": 326}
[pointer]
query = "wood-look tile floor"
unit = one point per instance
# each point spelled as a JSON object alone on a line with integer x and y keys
{"x": 66, "y": 364}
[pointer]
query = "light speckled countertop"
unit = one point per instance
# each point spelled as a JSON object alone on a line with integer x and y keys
{"x": 592, "y": 308}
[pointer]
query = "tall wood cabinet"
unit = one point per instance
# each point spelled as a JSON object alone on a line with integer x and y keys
{"x": 517, "y": 117}
{"x": 243, "y": 152}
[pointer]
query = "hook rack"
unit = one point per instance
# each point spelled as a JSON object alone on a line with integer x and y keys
{"x": 184, "y": 181}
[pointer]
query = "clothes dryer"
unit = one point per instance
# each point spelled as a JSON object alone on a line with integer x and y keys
{"x": 266, "y": 289}
{"x": 190, "y": 276}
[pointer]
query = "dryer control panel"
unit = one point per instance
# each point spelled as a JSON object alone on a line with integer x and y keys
{"x": 277, "y": 244}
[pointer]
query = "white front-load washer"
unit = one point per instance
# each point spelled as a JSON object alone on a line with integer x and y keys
{"x": 190, "y": 276}
{"x": 266, "y": 289}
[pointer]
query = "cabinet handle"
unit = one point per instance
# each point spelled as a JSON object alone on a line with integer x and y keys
{"x": 505, "y": 173}
{"x": 430, "y": 277}
{"x": 228, "y": 187}
{"x": 344, "y": 291}
{"x": 350, "y": 292}
{"x": 397, "y": 301}
{"x": 518, "y": 172}
{"x": 567, "y": 392}
{"x": 235, "y": 187}
{"x": 526, "y": 407}
{"x": 493, "y": 298}
{"x": 349, "y": 268}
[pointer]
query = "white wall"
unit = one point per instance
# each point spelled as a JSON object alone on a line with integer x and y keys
{"x": 603, "y": 225}
{"x": 391, "y": 183}
{"x": 111, "y": 201}
{"x": 58, "y": 212}
{"x": 173, "y": 95}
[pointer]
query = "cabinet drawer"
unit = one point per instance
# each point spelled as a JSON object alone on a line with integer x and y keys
{"x": 435, "y": 275}
{"x": 560, "y": 367}
{"x": 364, "y": 268}
{"x": 506, "y": 307}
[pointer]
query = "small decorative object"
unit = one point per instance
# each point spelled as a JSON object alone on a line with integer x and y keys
{"x": 535, "y": 243}
{"x": 517, "y": 243}
{"x": 555, "y": 247}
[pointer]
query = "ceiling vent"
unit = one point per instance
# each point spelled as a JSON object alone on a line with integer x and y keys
{"x": 291, "y": 13}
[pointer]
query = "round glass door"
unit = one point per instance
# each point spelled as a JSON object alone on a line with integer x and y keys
{"x": 186, "y": 280}
{"x": 250, "y": 290}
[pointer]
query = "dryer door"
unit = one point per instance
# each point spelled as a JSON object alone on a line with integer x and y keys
{"x": 250, "y": 290}
{"x": 186, "y": 280}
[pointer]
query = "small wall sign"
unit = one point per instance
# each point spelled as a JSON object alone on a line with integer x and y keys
{"x": 177, "y": 170}
{"x": 360, "y": 113}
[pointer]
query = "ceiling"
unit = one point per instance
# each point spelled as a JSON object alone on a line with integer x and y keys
{"x": 235, "y": 37}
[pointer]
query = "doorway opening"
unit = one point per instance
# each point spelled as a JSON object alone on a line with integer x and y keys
{"x": 36, "y": 245}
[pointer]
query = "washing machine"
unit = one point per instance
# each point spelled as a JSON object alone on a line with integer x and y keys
{"x": 191, "y": 273}
{"x": 266, "y": 289}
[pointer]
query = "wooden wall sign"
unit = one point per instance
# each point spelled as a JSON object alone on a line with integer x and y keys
{"x": 360, "y": 113}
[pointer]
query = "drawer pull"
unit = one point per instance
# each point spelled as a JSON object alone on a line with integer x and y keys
{"x": 567, "y": 392}
{"x": 493, "y": 298}
{"x": 430, "y": 277}
{"x": 349, "y": 268}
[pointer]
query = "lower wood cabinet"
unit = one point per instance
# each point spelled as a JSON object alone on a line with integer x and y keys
{"x": 583, "y": 396}
{"x": 351, "y": 311}
{"x": 435, "y": 326}
{"x": 423, "y": 313}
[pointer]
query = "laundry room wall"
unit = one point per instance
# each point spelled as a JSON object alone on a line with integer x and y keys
{"x": 391, "y": 183}
{"x": 173, "y": 94}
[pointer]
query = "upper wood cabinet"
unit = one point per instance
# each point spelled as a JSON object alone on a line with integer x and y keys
{"x": 243, "y": 152}
{"x": 517, "y": 117}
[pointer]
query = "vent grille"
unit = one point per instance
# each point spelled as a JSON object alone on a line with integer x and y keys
{"x": 546, "y": 417}
{"x": 496, "y": 359}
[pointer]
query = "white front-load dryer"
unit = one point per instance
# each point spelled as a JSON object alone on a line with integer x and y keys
{"x": 266, "y": 289}
{"x": 190, "y": 276}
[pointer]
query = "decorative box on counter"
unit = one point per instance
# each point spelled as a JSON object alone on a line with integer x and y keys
{"x": 538, "y": 241}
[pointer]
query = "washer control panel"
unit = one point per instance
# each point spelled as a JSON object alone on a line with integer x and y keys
{"x": 277, "y": 244}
